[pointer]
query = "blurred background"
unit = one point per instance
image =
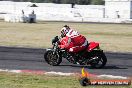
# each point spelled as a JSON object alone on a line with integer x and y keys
{"x": 116, "y": 11}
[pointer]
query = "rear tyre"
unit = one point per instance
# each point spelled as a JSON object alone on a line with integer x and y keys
{"x": 98, "y": 60}
{"x": 52, "y": 58}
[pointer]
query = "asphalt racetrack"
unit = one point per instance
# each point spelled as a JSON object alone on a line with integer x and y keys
{"x": 32, "y": 59}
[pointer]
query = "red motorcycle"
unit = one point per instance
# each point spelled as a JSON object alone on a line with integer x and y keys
{"x": 92, "y": 55}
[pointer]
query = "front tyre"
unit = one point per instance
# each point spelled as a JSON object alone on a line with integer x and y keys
{"x": 98, "y": 59}
{"x": 52, "y": 58}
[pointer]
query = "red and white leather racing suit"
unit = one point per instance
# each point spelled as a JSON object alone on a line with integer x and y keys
{"x": 73, "y": 42}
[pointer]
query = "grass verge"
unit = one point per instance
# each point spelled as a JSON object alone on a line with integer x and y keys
{"x": 12, "y": 80}
{"x": 112, "y": 37}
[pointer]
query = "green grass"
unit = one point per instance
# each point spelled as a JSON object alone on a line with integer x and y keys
{"x": 11, "y": 80}
{"x": 112, "y": 37}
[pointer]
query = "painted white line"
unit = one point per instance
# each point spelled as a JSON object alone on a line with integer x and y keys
{"x": 111, "y": 76}
{"x": 7, "y": 70}
{"x": 15, "y": 71}
{"x": 37, "y": 72}
{"x": 59, "y": 73}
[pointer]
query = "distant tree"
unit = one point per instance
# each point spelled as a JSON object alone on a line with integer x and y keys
{"x": 37, "y": 1}
{"x": 67, "y": 1}
{"x": 84, "y": 2}
{"x": 47, "y": 1}
{"x": 81, "y": 2}
{"x": 97, "y": 2}
{"x": 57, "y": 1}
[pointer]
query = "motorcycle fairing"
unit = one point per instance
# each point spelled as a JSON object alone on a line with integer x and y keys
{"x": 92, "y": 45}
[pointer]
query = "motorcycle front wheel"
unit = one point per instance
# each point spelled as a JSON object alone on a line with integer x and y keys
{"x": 52, "y": 58}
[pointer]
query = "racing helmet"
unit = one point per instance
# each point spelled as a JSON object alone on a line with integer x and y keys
{"x": 64, "y": 30}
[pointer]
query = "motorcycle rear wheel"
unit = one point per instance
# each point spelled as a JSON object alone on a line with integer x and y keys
{"x": 99, "y": 60}
{"x": 52, "y": 58}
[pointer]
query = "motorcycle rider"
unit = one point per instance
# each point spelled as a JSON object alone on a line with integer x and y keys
{"x": 72, "y": 40}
